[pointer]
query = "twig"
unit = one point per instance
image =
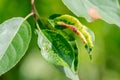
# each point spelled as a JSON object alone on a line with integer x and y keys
{"x": 33, "y": 9}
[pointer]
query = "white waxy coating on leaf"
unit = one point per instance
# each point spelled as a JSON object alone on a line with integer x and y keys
{"x": 15, "y": 35}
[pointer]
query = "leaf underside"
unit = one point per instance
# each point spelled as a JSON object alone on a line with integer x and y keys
{"x": 15, "y": 35}
{"x": 108, "y": 10}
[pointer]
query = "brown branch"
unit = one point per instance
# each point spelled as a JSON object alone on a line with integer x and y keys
{"x": 33, "y": 9}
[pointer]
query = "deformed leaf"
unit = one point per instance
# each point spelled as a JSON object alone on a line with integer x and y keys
{"x": 55, "y": 48}
{"x": 15, "y": 35}
{"x": 107, "y": 10}
{"x": 84, "y": 33}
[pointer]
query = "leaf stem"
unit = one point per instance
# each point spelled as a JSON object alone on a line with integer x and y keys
{"x": 30, "y": 14}
{"x": 38, "y": 26}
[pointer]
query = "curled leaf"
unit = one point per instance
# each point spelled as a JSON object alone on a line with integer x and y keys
{"x": 74, "y": 25}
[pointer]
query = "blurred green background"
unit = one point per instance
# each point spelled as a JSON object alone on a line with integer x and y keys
{"x": 105, "y": 64}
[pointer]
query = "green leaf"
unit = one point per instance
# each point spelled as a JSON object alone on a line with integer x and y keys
{"x": 108, "y": 10}
{"x": 69, "y": 36}
{"x": 15, "y": 35}
{"x": 55, "y": 48}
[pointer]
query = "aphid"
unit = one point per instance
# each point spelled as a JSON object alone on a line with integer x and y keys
{"x": 93, "y": 13}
